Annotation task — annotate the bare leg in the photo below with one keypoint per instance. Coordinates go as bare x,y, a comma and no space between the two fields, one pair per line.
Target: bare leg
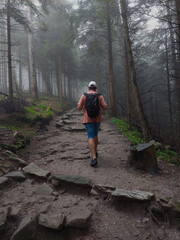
96,143
92,146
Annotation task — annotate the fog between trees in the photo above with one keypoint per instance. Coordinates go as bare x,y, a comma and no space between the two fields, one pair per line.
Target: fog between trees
54,48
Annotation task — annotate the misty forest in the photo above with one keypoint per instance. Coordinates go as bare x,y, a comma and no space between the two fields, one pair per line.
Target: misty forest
49,52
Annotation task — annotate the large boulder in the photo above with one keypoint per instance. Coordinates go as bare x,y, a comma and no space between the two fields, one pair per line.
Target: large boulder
27,229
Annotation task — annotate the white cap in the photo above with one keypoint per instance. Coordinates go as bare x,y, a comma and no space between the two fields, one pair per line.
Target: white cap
92,84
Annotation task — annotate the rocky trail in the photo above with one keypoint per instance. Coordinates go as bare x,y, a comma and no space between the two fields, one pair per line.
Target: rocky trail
55,194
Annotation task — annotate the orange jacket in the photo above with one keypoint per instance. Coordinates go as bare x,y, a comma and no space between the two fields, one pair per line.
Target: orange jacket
81,105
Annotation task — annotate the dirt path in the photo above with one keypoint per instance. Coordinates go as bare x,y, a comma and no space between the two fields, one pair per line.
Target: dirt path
66,152
69,153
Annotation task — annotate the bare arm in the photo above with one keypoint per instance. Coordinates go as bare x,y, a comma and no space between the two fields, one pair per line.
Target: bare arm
80,105
103,103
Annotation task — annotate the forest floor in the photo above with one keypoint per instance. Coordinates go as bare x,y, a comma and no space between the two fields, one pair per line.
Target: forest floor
65,150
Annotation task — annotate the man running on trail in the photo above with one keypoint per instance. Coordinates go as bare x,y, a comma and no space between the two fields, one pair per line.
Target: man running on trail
92,102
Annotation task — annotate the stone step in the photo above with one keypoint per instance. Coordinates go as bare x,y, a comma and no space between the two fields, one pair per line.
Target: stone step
58,179
132,195
33,169
16,175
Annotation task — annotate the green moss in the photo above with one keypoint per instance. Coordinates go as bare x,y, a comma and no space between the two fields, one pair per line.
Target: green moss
169,156
135,137
11,127
35,112
132,134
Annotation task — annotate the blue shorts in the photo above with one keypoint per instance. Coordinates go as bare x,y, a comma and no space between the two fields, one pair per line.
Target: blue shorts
92,129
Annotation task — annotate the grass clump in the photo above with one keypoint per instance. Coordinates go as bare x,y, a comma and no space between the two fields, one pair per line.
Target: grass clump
169,156
135,137
132,134
39,111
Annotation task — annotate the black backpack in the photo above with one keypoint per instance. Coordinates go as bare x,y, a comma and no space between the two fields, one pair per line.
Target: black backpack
92,104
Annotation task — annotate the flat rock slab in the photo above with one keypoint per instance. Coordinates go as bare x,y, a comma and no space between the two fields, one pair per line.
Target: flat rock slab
104,188
59,124
132,195
67,122
16,175
79,219
55,222
33,169
76,114
3,181
65,118
44,190
3,218
20,162
26,230
6,167
74,129
58,179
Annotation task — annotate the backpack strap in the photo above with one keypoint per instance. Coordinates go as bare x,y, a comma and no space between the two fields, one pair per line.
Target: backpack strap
85,94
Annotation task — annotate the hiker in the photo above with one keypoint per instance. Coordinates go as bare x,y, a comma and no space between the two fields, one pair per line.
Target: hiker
92,102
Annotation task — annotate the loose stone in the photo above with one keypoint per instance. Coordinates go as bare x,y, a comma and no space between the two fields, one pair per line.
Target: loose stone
51,221
80,219
44,190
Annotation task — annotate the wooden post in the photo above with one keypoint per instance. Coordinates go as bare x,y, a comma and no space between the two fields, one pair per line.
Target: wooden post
143,157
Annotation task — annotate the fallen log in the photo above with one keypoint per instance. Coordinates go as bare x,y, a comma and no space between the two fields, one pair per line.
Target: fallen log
143,156
4,94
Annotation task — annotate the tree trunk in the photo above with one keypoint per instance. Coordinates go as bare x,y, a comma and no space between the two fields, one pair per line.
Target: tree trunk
110,62
174,56
20,72
69,84
143,157
142,118
178,17
178,64
128,101
33,80
59,78
45,81
9,51
98,72
169,89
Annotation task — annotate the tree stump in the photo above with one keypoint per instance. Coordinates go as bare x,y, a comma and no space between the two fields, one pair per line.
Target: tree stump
143,157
